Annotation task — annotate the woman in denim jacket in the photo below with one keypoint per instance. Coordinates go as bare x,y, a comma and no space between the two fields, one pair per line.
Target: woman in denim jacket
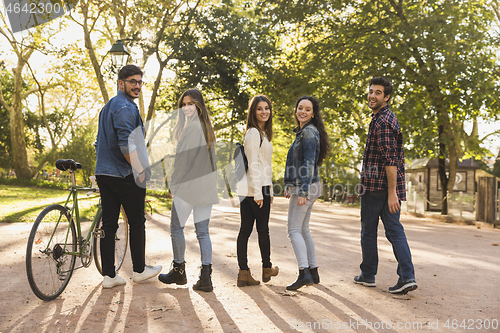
302,185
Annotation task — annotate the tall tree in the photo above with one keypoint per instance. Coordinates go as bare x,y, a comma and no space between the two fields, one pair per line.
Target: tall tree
6,81
23,50
440,56
152,28
36,93
227,54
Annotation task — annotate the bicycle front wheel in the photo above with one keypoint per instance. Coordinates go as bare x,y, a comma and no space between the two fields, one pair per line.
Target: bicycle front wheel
121,242
48,264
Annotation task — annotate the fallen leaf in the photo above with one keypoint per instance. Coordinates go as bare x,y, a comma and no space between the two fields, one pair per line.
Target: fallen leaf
161,308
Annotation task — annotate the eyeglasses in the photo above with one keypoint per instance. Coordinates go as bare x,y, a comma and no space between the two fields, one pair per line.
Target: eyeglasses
135,82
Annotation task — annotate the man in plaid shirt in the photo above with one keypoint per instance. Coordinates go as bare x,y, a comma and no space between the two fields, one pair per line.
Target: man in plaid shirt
382,189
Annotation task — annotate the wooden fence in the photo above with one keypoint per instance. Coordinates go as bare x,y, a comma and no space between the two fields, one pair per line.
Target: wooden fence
486,204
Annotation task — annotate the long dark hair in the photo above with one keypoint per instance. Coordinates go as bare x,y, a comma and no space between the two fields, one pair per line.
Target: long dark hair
203,116
252,116
324,144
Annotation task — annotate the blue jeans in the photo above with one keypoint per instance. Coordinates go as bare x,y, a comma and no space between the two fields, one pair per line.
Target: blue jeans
299,232
201,215
374,205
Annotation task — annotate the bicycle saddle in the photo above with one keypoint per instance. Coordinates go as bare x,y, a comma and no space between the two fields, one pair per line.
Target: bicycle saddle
67,165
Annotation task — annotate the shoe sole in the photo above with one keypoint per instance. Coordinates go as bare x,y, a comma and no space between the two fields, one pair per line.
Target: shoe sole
244,284
297,288
405,289
112,286
173,282
145,279
366,284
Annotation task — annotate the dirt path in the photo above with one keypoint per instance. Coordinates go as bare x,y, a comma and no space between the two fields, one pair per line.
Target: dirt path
457,270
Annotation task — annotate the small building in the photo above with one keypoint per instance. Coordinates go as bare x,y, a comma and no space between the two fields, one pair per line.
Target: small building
422,175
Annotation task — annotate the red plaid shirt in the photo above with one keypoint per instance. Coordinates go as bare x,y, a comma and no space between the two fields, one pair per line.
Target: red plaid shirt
384,146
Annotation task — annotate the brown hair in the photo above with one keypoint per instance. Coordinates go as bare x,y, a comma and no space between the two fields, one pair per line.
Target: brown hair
317,121
203,116
252,116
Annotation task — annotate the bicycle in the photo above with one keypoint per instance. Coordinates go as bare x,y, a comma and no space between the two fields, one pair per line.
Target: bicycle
56,241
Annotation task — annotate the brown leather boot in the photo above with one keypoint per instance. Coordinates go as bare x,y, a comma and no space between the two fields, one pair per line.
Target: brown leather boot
246,279
268,272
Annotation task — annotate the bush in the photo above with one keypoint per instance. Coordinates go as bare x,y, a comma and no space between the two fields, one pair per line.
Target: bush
33,182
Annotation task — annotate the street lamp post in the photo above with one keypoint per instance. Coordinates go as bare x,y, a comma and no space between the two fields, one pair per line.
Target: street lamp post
119,56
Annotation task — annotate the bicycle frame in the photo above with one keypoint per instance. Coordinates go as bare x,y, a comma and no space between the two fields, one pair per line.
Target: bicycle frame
75,214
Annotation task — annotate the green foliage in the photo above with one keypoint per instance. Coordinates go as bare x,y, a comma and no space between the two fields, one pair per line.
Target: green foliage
33,182
440,56
224,55
5,144
81,149
496,166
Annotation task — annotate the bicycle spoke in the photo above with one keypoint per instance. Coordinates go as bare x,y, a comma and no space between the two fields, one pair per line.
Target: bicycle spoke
48,264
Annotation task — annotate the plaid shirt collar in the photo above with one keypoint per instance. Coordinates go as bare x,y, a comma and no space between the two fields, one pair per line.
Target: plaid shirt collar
380,112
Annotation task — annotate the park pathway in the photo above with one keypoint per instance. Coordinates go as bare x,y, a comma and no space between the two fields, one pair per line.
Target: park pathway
457,270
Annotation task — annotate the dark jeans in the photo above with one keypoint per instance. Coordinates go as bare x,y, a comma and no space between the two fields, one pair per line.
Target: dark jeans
374,205
250,213
116,192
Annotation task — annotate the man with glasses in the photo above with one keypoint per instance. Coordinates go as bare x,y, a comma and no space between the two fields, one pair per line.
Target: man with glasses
122,169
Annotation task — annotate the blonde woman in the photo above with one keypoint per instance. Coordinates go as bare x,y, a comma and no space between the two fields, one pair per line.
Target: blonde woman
256,190
193,187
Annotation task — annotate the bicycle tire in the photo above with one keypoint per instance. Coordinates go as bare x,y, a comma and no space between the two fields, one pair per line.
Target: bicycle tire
48,267
121,242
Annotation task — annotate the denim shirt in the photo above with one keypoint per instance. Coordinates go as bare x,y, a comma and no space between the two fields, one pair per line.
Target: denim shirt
120,132
302,159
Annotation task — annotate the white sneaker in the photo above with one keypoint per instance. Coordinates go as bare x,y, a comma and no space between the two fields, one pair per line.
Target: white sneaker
113,282
148,273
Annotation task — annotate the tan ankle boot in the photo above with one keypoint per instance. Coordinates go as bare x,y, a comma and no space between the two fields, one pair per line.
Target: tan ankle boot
246,279
268,272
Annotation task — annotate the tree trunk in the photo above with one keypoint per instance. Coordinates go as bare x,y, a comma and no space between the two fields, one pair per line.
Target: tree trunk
93,58
19,150
442,172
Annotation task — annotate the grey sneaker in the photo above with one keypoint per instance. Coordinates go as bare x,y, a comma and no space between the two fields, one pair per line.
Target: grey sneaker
113,282
403,287
148,273
360,279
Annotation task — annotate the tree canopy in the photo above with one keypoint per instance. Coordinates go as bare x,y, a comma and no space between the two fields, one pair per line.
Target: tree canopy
441,56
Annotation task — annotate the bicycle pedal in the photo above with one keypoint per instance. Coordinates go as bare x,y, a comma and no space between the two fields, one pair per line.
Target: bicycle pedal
99,233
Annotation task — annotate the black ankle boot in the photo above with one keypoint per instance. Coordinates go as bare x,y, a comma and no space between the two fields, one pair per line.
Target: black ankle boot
205,281
314,274
176,275
304,279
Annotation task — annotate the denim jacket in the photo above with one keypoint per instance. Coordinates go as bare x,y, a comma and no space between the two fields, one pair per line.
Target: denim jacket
302,159
120,132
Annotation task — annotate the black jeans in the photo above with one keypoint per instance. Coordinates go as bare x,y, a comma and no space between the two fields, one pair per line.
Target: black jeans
116,192
250,213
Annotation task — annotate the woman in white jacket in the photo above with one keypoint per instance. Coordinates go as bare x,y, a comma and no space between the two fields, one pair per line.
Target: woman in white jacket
256,189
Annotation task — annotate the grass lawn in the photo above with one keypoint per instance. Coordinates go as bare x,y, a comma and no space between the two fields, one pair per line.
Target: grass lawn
23,204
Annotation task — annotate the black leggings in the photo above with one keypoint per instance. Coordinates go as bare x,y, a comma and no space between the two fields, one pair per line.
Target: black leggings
250,212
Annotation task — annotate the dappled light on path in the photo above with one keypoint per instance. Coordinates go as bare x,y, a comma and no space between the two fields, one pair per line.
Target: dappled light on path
447,258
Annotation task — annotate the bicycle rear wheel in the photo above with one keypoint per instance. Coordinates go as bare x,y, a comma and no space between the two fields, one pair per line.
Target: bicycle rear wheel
48,264
121,242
